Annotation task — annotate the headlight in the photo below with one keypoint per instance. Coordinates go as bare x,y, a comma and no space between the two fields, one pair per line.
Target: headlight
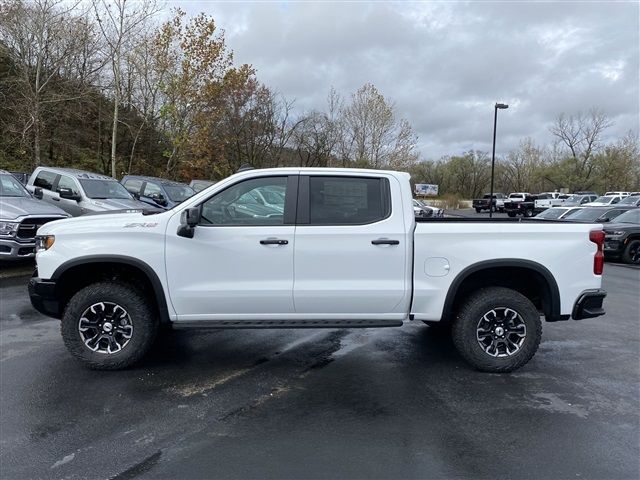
8,229
617,232
44,242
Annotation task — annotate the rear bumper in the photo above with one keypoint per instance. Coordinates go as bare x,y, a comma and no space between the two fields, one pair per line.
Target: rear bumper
589,305
42,294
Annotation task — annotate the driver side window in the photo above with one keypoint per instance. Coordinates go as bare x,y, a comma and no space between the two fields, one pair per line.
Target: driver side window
246,203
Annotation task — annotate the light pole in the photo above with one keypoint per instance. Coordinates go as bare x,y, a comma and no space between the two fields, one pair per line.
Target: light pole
500,106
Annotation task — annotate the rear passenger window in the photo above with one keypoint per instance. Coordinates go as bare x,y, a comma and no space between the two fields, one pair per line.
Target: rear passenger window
67,182
348,200
133,186
44,180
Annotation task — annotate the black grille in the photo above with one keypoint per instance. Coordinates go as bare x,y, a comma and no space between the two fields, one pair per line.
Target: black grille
29,227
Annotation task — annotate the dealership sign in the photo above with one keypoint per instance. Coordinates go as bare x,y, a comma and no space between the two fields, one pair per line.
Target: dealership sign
426,189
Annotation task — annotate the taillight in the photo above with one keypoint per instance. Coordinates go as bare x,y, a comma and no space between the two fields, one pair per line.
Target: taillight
597,237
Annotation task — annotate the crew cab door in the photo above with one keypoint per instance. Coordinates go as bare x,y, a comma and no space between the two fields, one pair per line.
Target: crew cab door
239,263
351,248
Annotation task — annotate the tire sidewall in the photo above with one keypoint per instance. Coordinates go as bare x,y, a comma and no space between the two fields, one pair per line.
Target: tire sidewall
465,326
142,319
626,255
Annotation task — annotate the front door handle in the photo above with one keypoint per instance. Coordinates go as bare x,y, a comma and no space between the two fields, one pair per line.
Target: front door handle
385,241
273,241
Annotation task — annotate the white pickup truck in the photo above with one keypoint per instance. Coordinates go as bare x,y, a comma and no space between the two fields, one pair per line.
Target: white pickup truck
343,250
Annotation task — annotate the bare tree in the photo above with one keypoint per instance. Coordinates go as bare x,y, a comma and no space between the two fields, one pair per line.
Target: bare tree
372,134
122,23
50,43
581,135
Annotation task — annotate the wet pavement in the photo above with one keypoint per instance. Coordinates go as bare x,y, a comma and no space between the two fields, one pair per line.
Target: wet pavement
387,403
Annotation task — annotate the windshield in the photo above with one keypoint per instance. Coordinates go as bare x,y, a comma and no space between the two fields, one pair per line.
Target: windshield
631,216
630,200
604,199
574,199
103,189
586,214
179,193
10,187
552,213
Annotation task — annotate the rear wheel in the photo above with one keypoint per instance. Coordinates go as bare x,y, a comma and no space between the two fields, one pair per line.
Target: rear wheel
528,212
511,214
108,325
631,253
478,210
497,330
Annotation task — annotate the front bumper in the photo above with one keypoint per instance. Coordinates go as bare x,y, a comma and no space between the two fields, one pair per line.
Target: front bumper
589,305
11,249
613,246
42,294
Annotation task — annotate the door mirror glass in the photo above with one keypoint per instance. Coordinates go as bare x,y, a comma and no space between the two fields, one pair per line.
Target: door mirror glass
37,192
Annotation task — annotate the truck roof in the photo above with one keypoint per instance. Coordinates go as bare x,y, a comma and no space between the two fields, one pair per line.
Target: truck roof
79,174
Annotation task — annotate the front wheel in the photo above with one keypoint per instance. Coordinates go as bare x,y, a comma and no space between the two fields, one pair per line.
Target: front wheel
497,330
108,325
631,253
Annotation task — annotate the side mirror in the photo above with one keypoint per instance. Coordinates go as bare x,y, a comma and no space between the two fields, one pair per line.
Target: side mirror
189,220
160,200
604,219
37,192
68,194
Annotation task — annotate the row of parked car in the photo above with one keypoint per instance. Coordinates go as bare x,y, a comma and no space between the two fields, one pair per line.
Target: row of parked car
528,205
619,210
29,201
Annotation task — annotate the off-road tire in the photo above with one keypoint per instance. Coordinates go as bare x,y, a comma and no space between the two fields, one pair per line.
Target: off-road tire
466,322
627,255
143,319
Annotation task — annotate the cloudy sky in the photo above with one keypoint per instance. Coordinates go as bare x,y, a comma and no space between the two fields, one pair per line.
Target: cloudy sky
445,64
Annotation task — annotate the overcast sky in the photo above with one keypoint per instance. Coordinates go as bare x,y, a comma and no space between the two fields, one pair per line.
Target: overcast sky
445,64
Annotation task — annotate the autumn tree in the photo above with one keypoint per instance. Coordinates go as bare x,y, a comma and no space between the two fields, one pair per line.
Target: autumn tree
194,59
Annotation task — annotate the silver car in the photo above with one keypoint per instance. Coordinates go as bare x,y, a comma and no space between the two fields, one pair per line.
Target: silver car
20,217
78,192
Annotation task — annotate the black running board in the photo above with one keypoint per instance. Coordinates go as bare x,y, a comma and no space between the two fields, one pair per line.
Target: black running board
287,324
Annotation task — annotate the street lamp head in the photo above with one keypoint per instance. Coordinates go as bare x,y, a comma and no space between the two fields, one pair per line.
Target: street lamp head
502,105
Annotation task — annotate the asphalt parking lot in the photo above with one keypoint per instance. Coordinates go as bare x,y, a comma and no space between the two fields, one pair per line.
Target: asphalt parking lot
387,403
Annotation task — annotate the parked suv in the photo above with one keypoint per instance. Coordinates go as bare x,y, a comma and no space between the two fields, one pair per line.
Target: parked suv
20,217
157,191
622,237
199,185
578,199
78,192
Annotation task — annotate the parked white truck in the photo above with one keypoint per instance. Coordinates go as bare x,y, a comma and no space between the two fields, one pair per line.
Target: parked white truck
344,250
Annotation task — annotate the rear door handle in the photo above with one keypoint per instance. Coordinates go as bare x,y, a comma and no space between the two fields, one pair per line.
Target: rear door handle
385,241
273,241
